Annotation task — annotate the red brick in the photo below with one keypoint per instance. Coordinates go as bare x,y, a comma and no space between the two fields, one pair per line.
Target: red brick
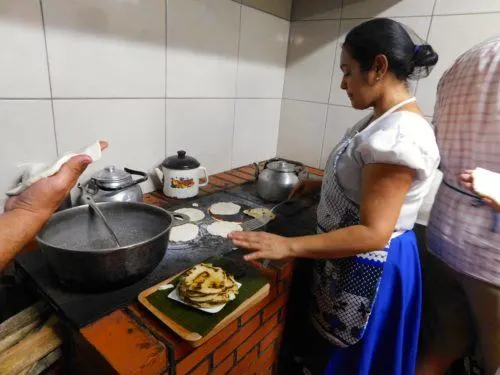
257,337
230,178
224,367
214,180
205,349
244,176
202,369
274,335
210,189
273,308
243,366
231,344
127,347
270,273
267,358
315,171
169,338
248,169
249,314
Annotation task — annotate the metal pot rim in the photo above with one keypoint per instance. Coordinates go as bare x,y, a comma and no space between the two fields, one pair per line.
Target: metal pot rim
109,250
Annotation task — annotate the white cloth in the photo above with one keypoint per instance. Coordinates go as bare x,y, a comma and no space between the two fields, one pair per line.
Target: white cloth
36,171
401,138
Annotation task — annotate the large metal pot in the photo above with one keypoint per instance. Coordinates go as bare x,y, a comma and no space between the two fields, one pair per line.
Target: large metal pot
82,255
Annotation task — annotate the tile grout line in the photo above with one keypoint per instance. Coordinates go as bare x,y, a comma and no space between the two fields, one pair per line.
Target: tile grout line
331,85
135,98
166,70
401,16
426,41
284,82
50,79
236,88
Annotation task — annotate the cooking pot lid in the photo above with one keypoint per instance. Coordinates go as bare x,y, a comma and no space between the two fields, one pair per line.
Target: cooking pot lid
281,166
111,174
181,161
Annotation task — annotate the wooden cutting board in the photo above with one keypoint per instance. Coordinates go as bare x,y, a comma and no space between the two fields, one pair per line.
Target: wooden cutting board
197,326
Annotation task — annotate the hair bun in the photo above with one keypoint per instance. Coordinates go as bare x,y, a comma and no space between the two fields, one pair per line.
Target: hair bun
424,59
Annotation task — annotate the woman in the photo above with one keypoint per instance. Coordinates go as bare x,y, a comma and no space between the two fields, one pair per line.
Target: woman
375,181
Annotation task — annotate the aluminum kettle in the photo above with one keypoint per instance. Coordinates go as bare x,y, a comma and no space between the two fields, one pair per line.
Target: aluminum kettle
114,185
277,179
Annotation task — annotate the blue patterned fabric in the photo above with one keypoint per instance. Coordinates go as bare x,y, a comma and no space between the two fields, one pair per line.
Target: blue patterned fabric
344,289
390,341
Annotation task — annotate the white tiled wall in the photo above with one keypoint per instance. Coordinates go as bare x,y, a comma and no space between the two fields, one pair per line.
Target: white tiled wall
313,77
149,76
312,83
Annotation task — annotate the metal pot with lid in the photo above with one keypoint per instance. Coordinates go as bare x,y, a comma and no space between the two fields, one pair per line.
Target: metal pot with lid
180,175
277,179
112,184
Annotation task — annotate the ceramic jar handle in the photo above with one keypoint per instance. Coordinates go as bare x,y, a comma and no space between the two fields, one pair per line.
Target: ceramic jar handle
206,176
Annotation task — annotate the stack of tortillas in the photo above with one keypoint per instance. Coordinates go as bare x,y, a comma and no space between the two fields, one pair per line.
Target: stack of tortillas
207,286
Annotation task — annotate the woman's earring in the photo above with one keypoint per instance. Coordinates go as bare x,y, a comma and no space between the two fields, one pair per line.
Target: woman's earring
377,78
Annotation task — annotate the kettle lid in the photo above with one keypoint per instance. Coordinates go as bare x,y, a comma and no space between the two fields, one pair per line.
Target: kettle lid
282,166
112,175
181,161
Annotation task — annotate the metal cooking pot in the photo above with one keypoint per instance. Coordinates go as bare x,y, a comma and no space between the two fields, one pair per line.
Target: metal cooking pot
82,255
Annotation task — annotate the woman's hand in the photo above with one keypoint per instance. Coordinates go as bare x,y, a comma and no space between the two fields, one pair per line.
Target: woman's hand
467,179
305,187
264,245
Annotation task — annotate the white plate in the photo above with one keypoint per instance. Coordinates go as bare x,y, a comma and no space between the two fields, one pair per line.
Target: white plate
212,310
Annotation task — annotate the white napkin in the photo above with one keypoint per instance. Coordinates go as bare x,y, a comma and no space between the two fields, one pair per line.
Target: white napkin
486,183
36,171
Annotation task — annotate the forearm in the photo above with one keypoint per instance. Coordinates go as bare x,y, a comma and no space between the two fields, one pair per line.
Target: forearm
17,228
340,243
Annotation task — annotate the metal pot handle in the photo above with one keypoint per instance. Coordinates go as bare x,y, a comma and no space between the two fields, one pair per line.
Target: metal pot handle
132,183
179,219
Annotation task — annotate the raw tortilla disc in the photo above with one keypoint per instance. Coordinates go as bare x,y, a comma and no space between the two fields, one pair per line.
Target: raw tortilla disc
184,233
225,208
223,228
193,213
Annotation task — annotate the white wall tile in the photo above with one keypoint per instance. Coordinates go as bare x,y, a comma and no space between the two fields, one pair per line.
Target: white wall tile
256,130
134,128
27,133
310,60
202,48
23,62
420,25
386,8
450,39
106,48
339,120
316,9
204,129
262,55
466,6
302,125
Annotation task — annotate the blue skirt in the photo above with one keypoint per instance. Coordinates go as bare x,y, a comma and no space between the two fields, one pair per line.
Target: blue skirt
390,343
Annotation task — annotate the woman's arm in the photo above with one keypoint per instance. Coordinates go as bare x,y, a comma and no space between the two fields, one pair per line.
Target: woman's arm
384,188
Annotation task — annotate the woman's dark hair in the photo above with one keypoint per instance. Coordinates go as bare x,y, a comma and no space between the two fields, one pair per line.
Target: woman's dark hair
382,36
